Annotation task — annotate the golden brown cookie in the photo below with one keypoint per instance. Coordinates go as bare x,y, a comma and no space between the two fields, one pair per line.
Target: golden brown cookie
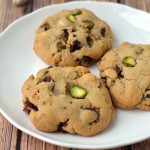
126,71
68,99
72,38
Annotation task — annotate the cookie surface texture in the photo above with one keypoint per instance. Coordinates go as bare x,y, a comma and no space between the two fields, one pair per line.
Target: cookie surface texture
126,71
67,99
72,38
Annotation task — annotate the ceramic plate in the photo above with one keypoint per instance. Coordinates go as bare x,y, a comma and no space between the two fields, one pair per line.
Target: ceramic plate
18,61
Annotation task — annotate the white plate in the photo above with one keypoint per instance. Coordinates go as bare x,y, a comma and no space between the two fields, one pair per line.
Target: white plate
18,61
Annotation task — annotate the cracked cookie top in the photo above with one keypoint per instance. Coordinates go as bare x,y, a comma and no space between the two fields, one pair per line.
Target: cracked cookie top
126,71
72,38
67,99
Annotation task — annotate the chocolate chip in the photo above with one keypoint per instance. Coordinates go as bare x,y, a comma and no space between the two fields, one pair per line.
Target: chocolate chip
85,60
76,45
30,105
47,79
95,110
104,79
119,71
147,96
89,41
103,31
61,125
45,26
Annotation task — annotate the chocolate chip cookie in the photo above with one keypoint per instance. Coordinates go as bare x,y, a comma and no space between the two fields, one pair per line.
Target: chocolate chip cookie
72,38
67,99
126,71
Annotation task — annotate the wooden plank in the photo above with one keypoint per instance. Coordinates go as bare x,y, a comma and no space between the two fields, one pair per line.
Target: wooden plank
140,4
15,140
147,3
24,141
10,12
57,1
5,133
115,1
34,143
40,3
139,146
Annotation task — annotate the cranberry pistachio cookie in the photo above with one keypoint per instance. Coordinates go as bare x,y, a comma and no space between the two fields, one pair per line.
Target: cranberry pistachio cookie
67,99
126,71
72,38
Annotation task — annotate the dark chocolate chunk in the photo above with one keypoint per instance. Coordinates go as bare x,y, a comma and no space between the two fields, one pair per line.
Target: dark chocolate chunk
49,67
45,26
73,30
147,96
89,41
63,46
85,60
103,31
76,45
26,110
30,105
64,35
119,71
104,79
61,125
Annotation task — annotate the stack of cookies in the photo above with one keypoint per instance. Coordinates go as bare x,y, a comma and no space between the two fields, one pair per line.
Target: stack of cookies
66,96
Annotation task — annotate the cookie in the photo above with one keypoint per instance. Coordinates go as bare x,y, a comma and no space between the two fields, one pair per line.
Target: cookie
72,38
67,99
126,71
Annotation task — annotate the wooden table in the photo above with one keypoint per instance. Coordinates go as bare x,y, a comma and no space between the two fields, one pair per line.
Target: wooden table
10,137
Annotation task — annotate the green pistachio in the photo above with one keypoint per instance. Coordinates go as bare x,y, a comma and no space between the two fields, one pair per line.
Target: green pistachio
77,92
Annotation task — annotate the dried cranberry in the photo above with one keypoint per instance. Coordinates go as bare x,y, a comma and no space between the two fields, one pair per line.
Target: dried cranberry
84,60
47,79
29,104
103,31
45,26
76,45
119,71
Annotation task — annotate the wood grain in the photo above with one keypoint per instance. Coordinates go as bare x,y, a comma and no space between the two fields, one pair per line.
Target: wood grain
10,137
